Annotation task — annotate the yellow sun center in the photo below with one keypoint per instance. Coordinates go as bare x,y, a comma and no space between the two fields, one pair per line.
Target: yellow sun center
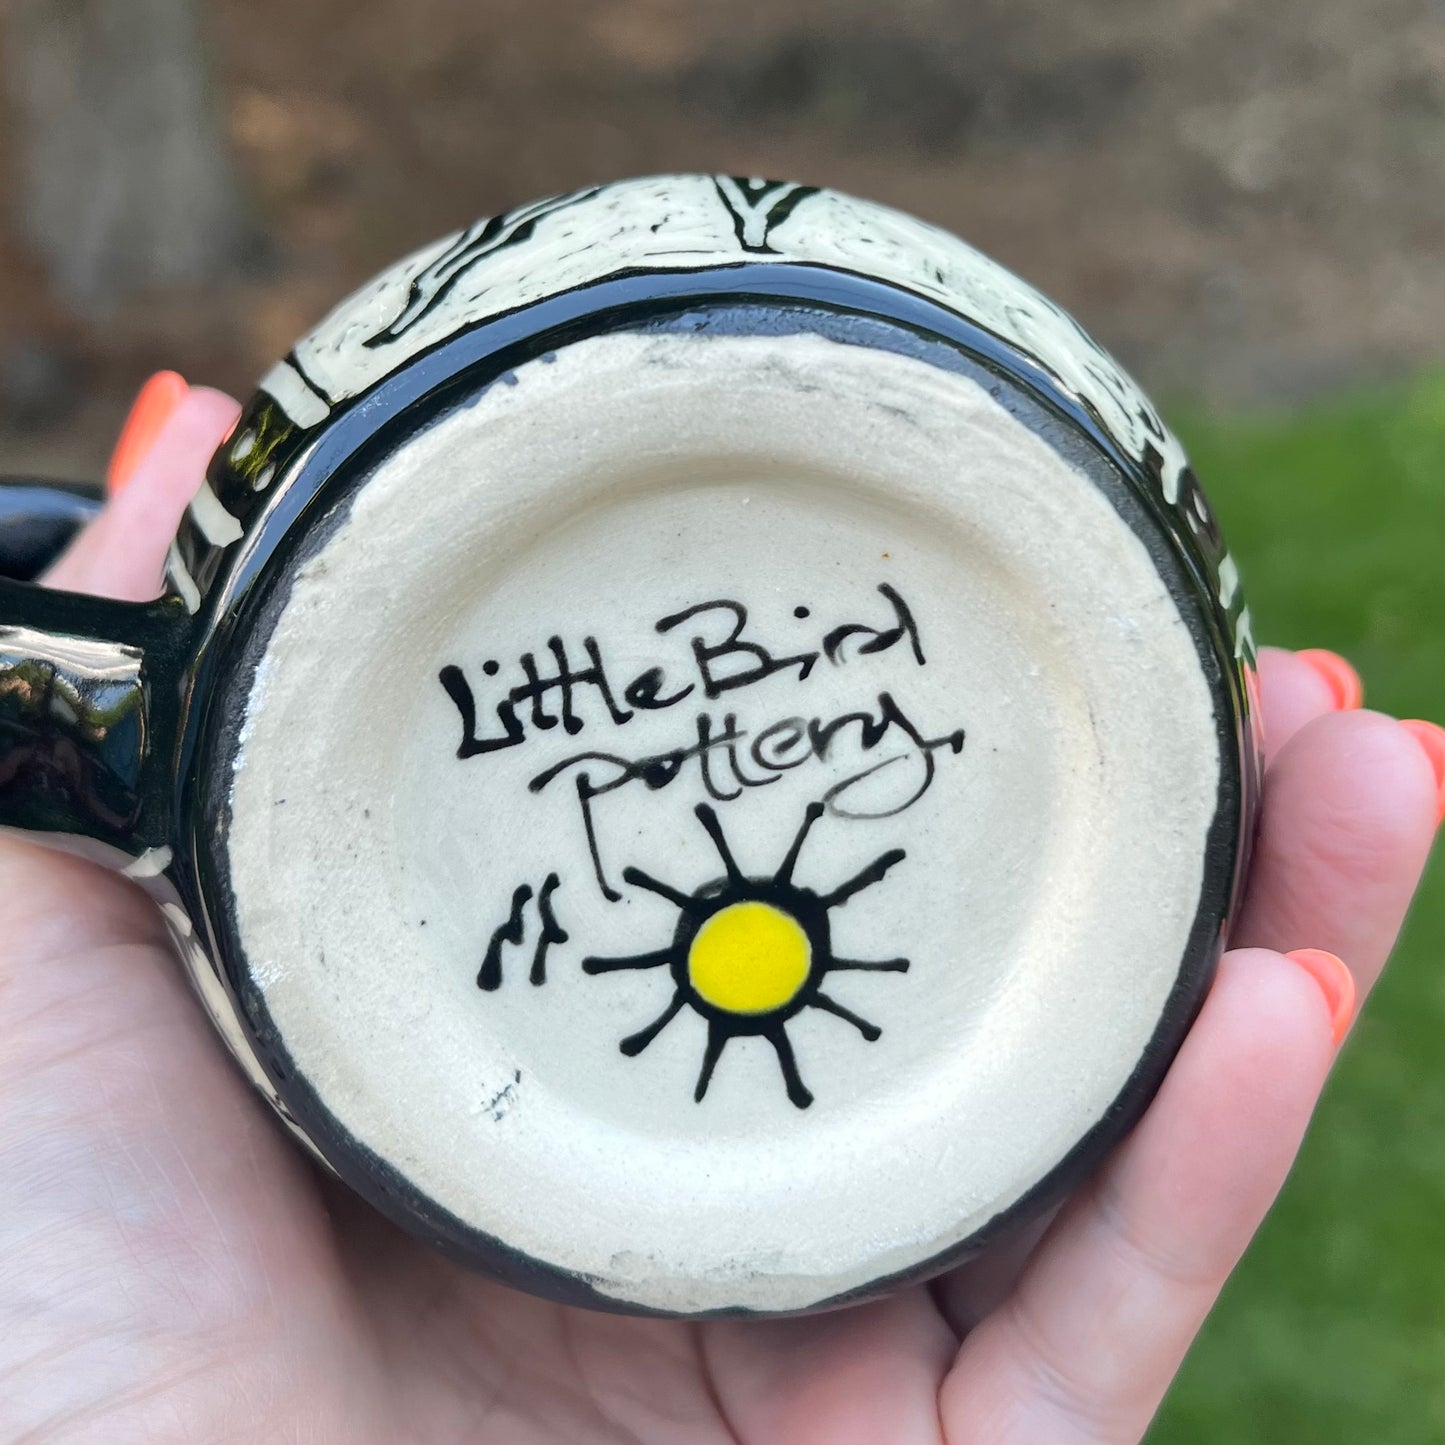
749,958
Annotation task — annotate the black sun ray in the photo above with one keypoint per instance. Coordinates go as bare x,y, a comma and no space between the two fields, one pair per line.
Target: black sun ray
832,1006
708,819
634,960
717,1039
639,879
870,875
785,871
798,1092
634,1044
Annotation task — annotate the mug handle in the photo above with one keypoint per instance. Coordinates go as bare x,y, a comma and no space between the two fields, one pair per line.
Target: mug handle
90,689
38,519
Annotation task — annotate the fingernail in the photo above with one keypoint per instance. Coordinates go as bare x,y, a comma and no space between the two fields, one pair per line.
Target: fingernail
1431,737
1341,679
1336,982
150,411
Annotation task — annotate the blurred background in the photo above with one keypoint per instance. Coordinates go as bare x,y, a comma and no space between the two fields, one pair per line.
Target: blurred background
1245,203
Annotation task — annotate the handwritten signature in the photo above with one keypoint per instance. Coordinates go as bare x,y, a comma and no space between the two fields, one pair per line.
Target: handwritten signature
728,758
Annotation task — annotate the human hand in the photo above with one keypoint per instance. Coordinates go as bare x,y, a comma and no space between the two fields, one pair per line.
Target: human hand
172,1268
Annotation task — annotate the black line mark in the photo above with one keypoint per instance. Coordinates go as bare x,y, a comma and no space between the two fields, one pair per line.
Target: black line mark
490,977
639,879
870,875
656,959
871,1032
811,814
312,386
635,1043
881,638
758,207
708,819
551,931
431,286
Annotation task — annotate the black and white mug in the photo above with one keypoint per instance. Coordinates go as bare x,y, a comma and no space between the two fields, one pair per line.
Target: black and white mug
698,747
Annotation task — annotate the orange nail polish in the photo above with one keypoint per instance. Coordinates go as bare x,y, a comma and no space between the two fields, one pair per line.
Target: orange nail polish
1336,982
150,411
1431,737
1341,679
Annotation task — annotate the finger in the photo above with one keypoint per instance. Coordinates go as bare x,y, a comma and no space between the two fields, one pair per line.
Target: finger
1089,1341
847,1377
1431,737
154,1225
1349,816
972,1291
149,412
1298,687
39,919
122,552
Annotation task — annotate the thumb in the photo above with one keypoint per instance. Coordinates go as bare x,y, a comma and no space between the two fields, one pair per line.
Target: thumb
122,552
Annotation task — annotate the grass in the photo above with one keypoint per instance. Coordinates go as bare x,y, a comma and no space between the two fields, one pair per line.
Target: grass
1333,1330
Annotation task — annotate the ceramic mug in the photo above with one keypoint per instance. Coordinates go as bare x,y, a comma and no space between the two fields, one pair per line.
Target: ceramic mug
697,747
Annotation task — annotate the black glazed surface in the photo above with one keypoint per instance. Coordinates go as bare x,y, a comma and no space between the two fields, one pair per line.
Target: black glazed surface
37,520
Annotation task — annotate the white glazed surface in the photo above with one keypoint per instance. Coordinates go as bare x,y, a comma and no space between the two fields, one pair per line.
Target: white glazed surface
682,223
1053,866
688,222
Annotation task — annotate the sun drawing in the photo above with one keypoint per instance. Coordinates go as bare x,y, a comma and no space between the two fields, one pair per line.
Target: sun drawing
750,953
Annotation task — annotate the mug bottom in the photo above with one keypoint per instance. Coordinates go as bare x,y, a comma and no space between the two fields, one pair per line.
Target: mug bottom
722,818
